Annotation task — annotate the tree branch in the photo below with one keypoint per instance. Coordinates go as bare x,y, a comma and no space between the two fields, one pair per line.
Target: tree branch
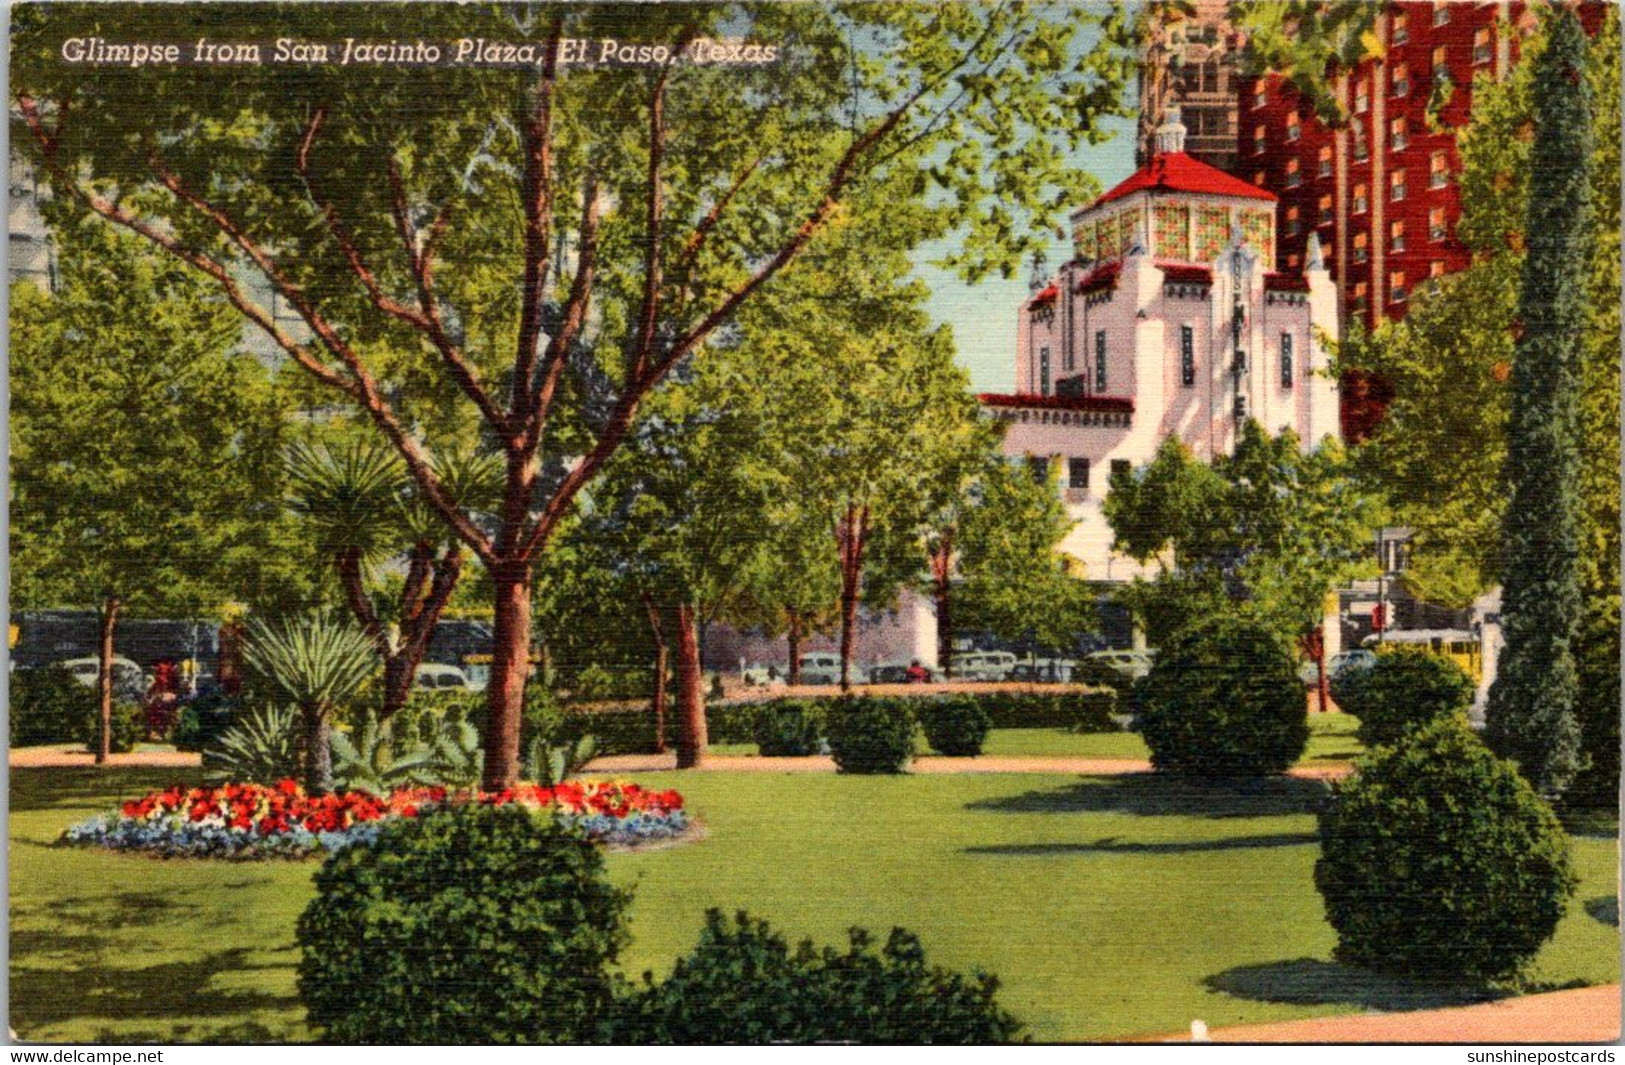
537,193
575,316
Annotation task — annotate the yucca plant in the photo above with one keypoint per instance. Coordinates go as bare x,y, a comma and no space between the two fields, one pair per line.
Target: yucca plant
317,661
262,748
550,763
370,760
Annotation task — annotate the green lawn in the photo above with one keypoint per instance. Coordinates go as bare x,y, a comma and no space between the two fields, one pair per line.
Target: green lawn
1331,740
1108,906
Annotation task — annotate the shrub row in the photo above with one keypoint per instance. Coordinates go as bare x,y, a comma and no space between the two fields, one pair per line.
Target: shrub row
49,706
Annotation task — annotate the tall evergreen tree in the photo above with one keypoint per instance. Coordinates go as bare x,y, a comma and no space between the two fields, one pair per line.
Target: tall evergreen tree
1532,705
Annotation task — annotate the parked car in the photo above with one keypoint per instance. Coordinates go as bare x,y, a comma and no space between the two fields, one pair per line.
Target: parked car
1131,665
1043,671
824,667
897,673
435,677
982,665
1342,660
129,681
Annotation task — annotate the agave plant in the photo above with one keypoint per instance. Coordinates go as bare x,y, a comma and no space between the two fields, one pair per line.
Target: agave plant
260,749
456,758
367,760
550,764
316,660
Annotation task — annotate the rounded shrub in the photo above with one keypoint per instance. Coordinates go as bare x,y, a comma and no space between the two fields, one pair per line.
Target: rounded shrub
1439,860
127,723
474,924
956,726
871,735
788,728
743,983
1223,700
48,706
1406,688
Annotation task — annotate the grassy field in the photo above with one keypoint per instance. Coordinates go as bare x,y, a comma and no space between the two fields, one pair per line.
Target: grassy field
1109,907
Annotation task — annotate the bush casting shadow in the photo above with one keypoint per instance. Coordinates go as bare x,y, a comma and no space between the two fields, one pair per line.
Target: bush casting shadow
78,786
1311,982
1111,845
1159,794
172,989
1604,908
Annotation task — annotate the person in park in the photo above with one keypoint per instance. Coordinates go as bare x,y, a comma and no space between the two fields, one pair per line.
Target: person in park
917,674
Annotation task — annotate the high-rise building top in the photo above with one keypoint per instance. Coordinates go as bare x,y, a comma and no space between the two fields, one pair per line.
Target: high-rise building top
1188,61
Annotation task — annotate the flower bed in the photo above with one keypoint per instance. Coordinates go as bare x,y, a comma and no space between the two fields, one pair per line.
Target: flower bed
253,821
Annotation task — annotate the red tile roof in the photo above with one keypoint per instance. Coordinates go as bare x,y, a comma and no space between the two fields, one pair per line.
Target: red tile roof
1102,276
1178,172
1045,296
1111,404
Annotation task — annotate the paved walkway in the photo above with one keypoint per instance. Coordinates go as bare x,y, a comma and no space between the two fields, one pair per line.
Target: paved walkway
727,763
1585,1015
65,755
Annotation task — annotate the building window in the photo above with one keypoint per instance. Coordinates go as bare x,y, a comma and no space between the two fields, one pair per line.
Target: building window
1396,287
1043,371
1293,129
1361,150
1187,356
1436,224
1481,46
1360,247
1100,362
1441,64
1292,261
1436,269
1362,98
1362,202
1402,80
1400,34
1396,236
1293,177
1398,134
1292,226
1441,12
1359,297
1438,170
1325,169
1077,474
1258,139
1396,185
1038,467
1286,360
1325,209
1259,178
1260,95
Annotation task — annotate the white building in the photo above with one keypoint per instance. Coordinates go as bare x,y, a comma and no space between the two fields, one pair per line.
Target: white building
1170,320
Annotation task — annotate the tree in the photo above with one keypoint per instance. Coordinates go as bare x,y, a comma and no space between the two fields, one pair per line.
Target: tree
420,213
1309,42
142,450
363,509
1001,541
1531,707
1266,532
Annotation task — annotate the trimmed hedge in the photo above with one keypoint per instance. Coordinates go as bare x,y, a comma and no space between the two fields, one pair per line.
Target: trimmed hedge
127,724
1439,860
1407,687
789,728
871,734
744,984
472,924
956,726
1223,700
49,706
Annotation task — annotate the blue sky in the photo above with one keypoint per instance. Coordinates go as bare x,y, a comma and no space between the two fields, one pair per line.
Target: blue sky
983,316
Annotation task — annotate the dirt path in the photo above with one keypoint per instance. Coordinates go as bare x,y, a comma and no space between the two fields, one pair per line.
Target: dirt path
1585,1015
718,763
64,755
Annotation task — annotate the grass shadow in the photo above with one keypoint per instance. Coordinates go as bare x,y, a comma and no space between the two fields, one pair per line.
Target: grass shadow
157,992
1312,982
75,786
1157,794
1111,845
1604,908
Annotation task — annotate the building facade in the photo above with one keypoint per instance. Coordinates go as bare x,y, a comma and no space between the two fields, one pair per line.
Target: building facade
1171,320
1188,61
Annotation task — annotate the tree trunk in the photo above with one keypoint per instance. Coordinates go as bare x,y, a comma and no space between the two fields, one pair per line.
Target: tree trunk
104,677
659,701
851,536
691,733
941,568
1325,681
318,749
794,637
420,614
510,665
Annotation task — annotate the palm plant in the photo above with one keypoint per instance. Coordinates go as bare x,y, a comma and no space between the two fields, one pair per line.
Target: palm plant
317,661
262,748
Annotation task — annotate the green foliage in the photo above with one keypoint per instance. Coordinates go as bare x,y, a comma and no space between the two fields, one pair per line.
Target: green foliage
744,980
1438,860
397,948
315,660
454,756
955,726
128,723
1407,687
1309,43
1223,700
550,763
1531,707
869,734
48,706
203,720
261,748
376,759
789,728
